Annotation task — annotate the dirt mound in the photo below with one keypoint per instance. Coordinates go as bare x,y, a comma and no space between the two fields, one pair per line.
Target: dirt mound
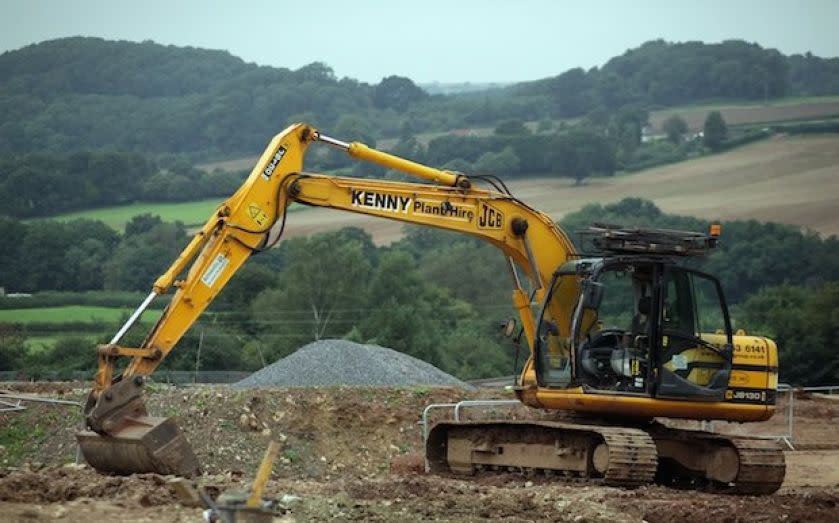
341,362
355,454
67,483
812,506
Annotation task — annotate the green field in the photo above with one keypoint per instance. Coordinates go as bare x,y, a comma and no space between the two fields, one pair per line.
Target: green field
190,213
79,313
35,344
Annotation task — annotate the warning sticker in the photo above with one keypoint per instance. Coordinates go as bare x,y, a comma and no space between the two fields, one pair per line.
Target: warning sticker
257,214
214,270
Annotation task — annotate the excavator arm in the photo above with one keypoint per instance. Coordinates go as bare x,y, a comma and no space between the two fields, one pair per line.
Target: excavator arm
123,438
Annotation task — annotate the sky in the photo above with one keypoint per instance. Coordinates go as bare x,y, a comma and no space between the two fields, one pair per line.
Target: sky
430,40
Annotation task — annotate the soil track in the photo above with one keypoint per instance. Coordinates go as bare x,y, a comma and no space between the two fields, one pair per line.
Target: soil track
789,179
349,454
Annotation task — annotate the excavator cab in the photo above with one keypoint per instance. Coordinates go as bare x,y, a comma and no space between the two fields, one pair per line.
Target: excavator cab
643,325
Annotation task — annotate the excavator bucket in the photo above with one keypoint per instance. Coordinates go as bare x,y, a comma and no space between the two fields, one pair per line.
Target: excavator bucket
124,439
144,444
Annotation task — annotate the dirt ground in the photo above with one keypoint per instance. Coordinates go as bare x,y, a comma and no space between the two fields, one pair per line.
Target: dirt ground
353,455
786,179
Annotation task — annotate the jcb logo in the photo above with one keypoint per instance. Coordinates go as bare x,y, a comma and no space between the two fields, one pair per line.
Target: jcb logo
490,217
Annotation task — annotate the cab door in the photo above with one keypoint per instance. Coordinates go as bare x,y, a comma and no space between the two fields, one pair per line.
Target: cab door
693,339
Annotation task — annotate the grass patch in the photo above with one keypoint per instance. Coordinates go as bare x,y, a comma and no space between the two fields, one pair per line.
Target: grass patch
70,313
291,454
190,213
15,437
40,343
36,344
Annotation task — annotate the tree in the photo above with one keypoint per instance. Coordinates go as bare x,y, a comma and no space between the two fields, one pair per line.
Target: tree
13,266
69,354
675,128
220,350
397,92
467,268
12,346
44,249
246,284
141,258
715,131
803,323
84,262
474,352
321,290
350,128
407,313
503,163
628,125
141,223
581,153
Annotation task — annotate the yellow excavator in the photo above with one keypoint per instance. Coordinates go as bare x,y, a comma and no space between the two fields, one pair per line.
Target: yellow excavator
618,336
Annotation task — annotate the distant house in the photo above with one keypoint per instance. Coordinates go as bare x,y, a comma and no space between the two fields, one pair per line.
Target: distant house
647,134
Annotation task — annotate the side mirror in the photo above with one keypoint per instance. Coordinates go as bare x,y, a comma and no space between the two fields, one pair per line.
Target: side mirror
509,327
592,294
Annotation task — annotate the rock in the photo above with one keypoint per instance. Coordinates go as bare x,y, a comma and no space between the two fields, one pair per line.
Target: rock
287,499
186,493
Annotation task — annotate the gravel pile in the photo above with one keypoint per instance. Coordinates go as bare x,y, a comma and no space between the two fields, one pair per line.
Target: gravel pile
341,362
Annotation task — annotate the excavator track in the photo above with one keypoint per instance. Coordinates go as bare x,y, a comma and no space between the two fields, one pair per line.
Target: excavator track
610,455
618,456
762,467
736,465
633,459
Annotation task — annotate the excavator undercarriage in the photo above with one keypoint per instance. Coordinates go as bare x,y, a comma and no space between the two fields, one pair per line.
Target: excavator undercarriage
623,456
